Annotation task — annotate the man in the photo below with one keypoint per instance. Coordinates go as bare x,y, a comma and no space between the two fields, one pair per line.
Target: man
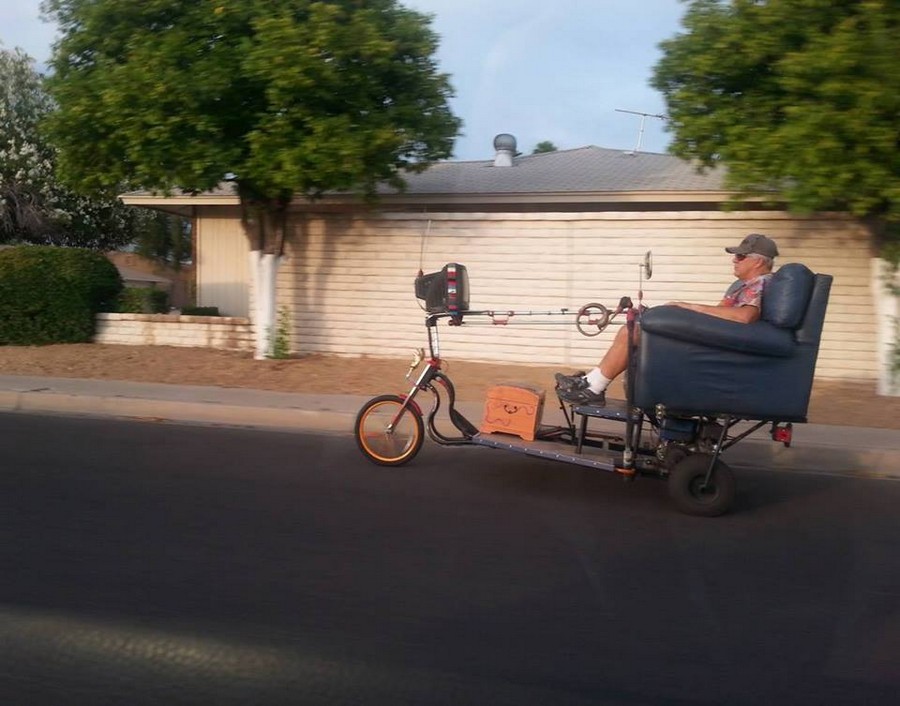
753,260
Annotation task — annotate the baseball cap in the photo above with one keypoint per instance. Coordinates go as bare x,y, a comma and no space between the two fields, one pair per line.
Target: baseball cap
755,243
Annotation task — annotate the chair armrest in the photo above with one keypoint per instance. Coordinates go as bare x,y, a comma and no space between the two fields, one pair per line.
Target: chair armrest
759,338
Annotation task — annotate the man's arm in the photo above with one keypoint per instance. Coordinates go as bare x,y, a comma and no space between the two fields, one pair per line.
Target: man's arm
742,314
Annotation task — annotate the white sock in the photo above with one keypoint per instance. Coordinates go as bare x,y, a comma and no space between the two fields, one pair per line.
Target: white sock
597,381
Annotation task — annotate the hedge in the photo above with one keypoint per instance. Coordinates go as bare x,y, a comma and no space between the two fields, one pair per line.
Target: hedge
200,310
52,295
143,300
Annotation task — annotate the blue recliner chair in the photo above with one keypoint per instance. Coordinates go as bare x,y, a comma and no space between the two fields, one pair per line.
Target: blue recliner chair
694,364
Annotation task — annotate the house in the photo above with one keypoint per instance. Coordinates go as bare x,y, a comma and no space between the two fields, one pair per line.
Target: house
541,232
138,271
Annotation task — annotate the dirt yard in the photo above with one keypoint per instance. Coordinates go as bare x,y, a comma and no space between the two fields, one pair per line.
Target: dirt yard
832,403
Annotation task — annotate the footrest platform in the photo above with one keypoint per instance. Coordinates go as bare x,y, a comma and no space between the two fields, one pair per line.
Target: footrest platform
614,409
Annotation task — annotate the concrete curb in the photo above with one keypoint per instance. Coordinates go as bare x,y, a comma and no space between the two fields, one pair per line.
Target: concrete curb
176,411
853,451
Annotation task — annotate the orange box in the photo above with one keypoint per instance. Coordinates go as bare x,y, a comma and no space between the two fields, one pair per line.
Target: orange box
513,409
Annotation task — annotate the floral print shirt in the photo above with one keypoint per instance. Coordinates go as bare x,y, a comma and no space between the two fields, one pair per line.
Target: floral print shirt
747,293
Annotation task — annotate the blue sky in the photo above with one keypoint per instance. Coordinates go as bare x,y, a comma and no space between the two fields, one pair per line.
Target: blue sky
540,69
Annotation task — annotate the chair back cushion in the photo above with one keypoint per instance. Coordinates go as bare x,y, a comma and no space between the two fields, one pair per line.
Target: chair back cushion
786,295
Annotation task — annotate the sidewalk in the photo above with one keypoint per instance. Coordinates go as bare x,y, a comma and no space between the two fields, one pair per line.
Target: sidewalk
816,448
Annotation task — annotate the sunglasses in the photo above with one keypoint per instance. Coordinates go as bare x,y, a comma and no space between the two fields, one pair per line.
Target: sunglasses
740,258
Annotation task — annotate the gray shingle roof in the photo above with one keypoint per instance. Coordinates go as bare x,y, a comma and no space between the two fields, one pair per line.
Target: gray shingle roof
586,169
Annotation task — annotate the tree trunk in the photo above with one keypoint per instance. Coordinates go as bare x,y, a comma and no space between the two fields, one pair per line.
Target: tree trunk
264,273
264,222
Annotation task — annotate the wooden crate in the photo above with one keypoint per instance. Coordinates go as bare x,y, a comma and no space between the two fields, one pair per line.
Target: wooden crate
513,409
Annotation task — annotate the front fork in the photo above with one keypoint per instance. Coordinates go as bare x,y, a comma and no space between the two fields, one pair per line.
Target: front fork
430,374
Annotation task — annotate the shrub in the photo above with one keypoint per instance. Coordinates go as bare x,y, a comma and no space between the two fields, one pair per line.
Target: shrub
281,347
52,295
143,300
200,310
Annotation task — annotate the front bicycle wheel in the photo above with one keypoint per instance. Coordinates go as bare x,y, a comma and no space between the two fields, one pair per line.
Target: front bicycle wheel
386,433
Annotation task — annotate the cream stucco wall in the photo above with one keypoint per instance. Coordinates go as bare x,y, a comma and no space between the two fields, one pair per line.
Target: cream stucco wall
348,280
223,273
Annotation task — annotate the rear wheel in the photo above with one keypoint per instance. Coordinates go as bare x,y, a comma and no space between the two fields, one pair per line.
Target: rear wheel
385,435
693,495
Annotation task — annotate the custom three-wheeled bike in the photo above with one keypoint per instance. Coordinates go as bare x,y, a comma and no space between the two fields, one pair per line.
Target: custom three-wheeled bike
696,385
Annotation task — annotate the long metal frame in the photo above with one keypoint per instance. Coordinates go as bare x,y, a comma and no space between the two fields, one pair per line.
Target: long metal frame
432,379
624,454
629,454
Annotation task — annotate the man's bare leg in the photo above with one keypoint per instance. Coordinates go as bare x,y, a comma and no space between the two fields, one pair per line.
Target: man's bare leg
615,360
591,388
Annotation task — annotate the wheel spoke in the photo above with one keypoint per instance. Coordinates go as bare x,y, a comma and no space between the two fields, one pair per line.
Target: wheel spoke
389,431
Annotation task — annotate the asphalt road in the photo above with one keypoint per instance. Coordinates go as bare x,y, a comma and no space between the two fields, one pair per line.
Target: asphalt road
143,563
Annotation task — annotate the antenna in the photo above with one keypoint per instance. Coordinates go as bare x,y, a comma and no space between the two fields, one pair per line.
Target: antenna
644,116
422,247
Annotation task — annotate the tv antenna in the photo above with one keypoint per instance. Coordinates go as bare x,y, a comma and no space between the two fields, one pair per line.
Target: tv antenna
644,117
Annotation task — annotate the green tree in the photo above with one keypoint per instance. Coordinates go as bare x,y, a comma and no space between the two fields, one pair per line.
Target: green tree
800,99
34,206
289,98
544,146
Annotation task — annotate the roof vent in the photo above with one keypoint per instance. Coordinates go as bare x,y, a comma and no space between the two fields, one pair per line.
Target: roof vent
505,144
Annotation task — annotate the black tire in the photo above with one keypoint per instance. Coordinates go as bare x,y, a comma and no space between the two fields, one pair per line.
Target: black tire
687,491
382,444
674,456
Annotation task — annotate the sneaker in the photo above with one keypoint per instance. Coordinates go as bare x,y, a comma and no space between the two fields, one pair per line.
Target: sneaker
584,396
576,381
